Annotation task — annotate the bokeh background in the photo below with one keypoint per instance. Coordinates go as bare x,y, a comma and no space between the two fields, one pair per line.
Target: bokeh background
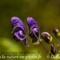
45,12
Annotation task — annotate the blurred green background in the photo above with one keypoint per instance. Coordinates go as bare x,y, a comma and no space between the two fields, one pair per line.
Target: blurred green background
45,12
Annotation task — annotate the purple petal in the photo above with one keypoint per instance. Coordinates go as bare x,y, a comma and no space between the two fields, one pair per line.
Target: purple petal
17,22
31,21
19,35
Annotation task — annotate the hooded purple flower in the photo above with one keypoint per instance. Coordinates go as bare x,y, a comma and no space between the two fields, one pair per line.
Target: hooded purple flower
17,22
33,28
18,29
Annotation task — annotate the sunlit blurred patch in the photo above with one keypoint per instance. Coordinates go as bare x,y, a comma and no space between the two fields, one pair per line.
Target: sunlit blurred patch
51,38
56,57
33,54
58,34
36,43
10,45
41,39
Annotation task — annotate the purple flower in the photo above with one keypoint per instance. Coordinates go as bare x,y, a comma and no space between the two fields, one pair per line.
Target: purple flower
33,28
18,29
46,36
53,49
17,22
56,32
